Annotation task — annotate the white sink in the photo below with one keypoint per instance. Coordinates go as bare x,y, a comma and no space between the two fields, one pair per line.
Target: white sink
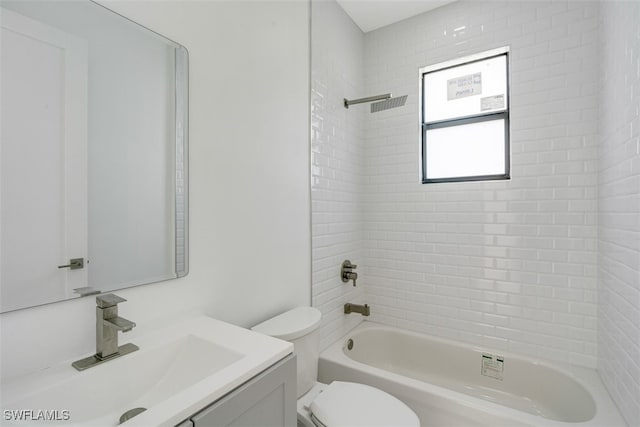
177,371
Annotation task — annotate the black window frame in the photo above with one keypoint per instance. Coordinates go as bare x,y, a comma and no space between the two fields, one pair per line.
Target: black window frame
474,118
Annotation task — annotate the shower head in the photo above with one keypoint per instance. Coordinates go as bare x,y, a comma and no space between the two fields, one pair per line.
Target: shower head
388,103
348,102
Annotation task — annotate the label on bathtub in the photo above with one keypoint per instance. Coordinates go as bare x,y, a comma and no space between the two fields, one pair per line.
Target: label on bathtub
492,366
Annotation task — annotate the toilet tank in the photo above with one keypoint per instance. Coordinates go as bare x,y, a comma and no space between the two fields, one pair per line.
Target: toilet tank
300,327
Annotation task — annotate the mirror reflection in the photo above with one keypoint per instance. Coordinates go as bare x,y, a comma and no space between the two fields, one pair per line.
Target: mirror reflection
93,154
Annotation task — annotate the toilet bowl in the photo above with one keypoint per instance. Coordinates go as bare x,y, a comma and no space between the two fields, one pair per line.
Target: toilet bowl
339,403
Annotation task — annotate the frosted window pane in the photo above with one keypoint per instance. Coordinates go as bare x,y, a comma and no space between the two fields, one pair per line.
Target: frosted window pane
466,90
466,150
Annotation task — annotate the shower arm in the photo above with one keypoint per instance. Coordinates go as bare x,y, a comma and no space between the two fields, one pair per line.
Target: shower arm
348,102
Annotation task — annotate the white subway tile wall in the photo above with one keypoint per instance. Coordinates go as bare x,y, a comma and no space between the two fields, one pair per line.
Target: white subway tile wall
510,265
619,207
337,165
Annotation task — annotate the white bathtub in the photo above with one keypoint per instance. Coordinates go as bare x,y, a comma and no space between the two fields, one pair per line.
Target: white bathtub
442,382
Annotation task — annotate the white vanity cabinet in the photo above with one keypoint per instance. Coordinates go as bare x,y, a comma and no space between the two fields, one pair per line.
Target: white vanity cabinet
268,399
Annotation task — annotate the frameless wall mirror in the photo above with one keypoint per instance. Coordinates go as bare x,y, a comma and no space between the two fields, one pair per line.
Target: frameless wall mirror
93,153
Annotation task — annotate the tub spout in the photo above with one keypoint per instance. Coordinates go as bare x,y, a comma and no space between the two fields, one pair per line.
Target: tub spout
356,308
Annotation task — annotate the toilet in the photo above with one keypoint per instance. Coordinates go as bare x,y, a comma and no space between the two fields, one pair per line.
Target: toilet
339,403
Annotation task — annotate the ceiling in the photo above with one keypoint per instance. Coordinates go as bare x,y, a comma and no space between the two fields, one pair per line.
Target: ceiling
372,14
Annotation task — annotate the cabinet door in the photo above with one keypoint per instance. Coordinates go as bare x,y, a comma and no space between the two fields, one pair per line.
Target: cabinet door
266,400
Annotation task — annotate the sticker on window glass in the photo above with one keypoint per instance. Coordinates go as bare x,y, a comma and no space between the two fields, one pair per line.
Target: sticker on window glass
492,102
464,86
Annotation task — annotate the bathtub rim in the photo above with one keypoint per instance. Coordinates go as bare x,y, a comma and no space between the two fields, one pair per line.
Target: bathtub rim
606,412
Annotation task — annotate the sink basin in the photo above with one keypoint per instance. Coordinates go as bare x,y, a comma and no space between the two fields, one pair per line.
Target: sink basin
141,379
176,372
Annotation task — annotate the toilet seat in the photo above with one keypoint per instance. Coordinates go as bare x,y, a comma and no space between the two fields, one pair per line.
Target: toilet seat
352,404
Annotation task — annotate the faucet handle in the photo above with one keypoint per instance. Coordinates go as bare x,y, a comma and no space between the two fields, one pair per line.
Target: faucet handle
347,264
108,300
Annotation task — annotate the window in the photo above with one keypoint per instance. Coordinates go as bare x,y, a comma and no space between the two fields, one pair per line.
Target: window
465,119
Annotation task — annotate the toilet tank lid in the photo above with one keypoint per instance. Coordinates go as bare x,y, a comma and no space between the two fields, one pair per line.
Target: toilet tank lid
291,324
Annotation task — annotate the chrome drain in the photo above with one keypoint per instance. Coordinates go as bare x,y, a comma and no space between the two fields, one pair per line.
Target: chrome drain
131,413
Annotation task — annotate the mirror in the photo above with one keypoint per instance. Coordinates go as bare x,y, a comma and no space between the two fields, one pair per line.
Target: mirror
93,153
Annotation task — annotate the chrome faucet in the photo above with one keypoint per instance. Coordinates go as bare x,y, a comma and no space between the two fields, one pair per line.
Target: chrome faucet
347,273
357,308
108,323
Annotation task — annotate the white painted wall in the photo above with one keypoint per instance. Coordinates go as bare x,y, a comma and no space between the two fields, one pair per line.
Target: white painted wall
508,264
619,207
337,157
249,183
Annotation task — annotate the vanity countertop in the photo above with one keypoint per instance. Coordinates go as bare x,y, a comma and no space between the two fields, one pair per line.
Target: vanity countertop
179,370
